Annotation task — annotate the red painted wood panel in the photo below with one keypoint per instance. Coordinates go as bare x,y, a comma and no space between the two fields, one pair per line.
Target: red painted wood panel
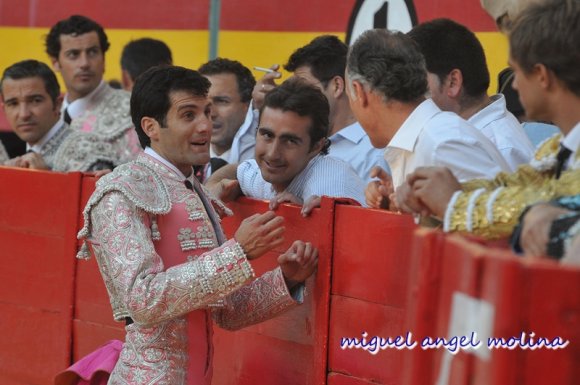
371,255
351,317
248,358
422,301
504,287
38,219
87,336
553,309
341,379
93,318
461,272
91,298
441,268
294,344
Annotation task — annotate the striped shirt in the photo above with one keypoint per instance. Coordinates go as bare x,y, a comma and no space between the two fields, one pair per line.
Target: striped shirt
324,175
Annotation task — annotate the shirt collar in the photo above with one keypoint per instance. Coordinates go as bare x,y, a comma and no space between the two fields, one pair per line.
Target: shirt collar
407,135
79,106
152,153
250,121
296,187
353,133
572,140
49,135
225,155
492,112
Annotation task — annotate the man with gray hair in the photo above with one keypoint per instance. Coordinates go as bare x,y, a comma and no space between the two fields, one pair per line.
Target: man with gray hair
387,82
545,57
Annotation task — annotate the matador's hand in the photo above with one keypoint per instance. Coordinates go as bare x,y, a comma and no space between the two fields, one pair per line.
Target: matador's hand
260,233
298,262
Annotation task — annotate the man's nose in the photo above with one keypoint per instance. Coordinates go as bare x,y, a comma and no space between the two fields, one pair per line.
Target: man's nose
273,151
84,60
213,114
205,124
24,111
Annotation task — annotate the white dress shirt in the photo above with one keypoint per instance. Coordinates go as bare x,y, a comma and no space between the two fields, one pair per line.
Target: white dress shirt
572,142
431,137
245,139
79,106
505,131
352,145
243,144
324,175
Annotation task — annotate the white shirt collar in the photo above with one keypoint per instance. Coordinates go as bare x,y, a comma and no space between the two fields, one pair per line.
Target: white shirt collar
407,135
495,110
572,140
250,120
79,106
225,155
38,146
152,153
353,133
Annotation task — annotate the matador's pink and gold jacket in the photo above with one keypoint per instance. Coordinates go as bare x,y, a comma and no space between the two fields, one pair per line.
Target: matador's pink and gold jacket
162,255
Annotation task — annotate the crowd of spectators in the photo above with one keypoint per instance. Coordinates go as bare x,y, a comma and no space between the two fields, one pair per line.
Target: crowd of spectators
406,116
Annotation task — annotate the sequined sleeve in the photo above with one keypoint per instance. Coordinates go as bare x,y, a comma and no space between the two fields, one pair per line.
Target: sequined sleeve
138,284
263,299
525,174
493,211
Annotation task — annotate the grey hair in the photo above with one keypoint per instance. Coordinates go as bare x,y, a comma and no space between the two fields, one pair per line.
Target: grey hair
388,63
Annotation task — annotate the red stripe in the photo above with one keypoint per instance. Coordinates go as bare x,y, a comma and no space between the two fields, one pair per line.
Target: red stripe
466,12
130,14
291,15
244,15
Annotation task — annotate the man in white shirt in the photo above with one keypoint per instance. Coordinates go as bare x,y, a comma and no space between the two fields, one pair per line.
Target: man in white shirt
76,47
31,101
458,82
322,63
387,81
234,120
290,164
544,55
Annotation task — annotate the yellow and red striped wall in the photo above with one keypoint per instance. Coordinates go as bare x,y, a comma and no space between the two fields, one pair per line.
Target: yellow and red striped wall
254,32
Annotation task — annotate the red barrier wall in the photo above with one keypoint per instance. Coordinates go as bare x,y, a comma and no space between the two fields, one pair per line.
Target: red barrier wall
93,323
369,277
463,287
376,274
38,221
292,348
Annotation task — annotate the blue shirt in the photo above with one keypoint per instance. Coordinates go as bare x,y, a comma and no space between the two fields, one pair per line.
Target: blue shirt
323,175
352,145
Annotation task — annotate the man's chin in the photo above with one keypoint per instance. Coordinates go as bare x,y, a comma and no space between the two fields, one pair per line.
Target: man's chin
201,160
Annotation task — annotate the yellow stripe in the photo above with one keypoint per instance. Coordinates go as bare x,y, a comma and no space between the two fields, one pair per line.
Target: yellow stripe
190,48
496,49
